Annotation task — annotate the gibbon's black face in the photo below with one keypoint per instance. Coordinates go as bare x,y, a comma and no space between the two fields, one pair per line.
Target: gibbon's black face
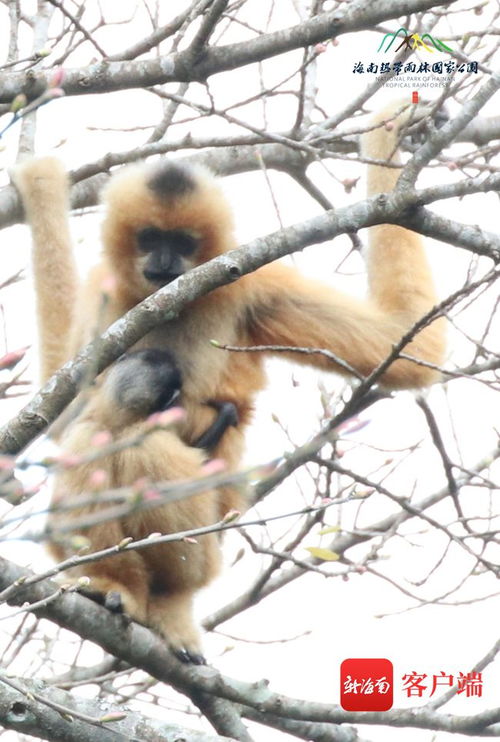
145,381
167,253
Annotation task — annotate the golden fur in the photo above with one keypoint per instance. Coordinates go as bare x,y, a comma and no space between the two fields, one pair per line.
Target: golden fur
275,305
157,584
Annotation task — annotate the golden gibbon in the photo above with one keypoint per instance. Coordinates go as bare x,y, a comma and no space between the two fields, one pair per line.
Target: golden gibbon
155,585
160,220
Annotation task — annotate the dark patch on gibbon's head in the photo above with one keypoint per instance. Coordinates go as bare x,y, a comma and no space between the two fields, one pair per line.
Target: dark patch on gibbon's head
170,179
145,381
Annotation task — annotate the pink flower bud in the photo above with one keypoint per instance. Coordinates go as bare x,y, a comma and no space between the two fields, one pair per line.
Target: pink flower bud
151,494
108,285
214,466
166,418
101,439
349,184
55,93
230,516
68,460
6,463
57,78
12,358
98,479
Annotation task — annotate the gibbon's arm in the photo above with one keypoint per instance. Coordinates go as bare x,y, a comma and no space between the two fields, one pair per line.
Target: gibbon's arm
227,416
292,310
399,276
43,185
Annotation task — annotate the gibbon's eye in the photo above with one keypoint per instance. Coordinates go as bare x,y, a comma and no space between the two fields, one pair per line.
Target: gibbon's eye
185,243
150,239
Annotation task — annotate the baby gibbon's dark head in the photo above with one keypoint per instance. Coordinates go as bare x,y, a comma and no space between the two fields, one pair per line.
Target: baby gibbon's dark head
143,382
161,220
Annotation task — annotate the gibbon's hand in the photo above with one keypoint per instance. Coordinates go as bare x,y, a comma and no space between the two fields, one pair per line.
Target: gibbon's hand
227,415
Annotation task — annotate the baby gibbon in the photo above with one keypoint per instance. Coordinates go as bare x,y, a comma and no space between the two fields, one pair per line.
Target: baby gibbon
160,220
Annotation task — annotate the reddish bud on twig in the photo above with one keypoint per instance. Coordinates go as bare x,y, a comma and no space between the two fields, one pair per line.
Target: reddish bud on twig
12,358
57,78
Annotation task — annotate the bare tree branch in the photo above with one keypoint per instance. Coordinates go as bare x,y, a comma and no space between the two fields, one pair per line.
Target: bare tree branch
105,76
141,648
167,302
33,707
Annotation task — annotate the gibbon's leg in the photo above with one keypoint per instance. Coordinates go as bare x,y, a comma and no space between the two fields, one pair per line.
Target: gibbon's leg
122,580
295,311
43,185
157,579
163,576
179,568
172,616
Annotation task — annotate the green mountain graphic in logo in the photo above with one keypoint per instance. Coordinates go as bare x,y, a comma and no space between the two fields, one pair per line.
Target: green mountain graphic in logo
412,41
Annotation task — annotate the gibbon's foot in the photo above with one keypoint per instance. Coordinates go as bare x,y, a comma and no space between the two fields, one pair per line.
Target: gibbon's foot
187,657
96,596
113,602
171,615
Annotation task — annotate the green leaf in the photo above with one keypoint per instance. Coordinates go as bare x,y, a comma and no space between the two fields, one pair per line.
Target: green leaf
112,716
329,529
326,555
